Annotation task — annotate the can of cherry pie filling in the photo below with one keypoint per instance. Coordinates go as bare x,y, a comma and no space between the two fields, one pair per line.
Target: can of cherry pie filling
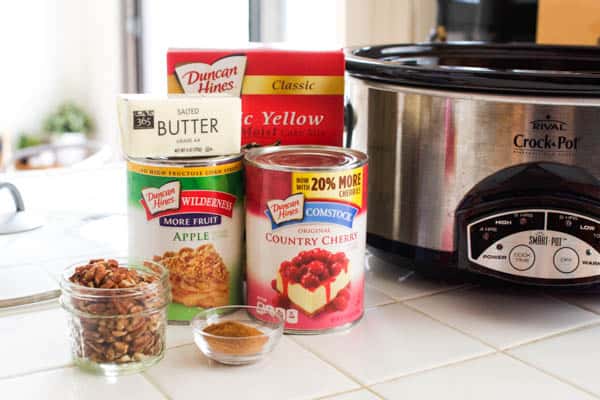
306,210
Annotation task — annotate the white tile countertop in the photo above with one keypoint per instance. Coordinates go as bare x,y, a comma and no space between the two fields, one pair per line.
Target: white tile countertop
419,339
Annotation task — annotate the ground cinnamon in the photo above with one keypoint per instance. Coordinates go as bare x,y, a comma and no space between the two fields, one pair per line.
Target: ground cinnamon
245,340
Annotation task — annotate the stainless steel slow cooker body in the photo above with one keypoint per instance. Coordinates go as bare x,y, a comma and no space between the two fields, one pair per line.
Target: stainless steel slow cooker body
431,149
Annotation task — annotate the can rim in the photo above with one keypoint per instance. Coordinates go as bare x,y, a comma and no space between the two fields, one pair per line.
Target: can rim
358,158
185,161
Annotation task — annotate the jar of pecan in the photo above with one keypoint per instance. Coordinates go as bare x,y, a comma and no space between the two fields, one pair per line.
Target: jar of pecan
117,314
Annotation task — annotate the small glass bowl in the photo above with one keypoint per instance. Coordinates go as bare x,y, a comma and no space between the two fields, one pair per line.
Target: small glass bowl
242,349
117,331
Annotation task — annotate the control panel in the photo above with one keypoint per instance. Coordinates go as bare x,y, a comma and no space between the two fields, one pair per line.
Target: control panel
547,244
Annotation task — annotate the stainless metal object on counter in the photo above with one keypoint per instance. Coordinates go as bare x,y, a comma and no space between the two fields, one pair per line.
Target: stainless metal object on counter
429,148
19,220
483,158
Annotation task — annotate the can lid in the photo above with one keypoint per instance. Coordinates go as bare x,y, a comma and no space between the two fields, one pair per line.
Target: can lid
305,157
184,162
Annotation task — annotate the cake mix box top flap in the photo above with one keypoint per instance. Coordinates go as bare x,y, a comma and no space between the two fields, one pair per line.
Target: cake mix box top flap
190,219
306,224
288,96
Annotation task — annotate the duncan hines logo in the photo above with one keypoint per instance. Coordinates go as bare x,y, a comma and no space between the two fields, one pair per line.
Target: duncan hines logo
294,210
224,76
164,198
546,135
290,209
169,199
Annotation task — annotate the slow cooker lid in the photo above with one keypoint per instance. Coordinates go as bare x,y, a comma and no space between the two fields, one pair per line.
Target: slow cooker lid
526,69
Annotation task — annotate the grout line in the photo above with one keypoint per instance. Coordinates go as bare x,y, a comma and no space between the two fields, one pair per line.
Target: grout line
433,368
75,256
504,351
552,375
367,386
321,358
509,347
374,393
37,371
330,396
469,335
155,385
553,335
491,351
582,306
431,293
179,346
527,364
293,339
379,291
549,335
367,309
374,306
30,308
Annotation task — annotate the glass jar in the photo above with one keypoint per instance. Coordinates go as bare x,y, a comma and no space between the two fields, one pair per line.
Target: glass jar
118,330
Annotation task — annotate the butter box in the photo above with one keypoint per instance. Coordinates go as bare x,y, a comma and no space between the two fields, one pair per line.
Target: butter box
179,126
288,96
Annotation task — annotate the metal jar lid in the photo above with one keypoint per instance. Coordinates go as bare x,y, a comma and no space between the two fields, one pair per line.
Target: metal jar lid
522,69
305,158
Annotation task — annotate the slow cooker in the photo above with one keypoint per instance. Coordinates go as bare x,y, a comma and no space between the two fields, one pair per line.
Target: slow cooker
483,158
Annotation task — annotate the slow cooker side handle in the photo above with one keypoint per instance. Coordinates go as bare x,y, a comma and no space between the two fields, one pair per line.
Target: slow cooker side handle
349,123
